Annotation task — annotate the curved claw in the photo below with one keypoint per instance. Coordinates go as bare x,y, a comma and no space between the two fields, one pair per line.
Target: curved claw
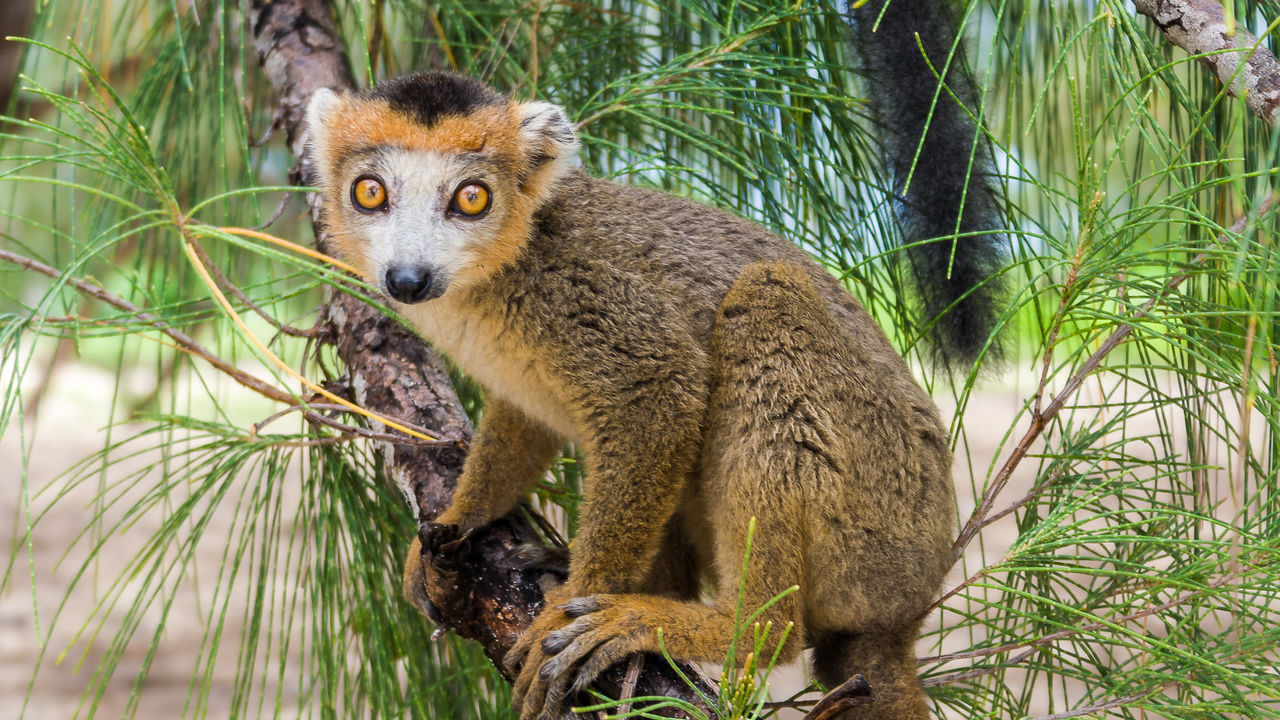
428,608
597,653
531,691
559,639
563,674
562,664
414,584
568,647
579,606
554,705
586,648
605,656
525,659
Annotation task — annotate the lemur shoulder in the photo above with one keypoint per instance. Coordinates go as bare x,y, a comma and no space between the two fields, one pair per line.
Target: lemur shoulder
709,371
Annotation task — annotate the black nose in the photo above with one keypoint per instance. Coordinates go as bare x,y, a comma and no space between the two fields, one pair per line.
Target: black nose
408,284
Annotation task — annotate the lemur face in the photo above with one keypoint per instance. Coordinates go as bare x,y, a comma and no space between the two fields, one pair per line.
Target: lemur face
430,181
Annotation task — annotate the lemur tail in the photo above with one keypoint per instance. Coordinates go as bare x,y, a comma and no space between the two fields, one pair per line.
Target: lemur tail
957,272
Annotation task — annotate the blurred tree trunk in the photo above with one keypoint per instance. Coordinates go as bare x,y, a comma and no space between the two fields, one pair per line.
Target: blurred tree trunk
15,20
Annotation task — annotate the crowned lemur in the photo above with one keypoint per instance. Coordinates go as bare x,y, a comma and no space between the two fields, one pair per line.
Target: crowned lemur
709,371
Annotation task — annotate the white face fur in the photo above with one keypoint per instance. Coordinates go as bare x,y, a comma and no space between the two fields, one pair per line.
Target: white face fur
419,227
421,237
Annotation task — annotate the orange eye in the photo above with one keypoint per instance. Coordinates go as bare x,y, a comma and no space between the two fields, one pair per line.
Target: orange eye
471,200
368,194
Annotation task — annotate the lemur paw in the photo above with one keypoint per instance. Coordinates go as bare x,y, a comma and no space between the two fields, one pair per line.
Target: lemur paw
601,630
440,545
526,658
443,544
415,584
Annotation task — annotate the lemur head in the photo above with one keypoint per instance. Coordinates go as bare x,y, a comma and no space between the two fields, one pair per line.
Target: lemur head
432,180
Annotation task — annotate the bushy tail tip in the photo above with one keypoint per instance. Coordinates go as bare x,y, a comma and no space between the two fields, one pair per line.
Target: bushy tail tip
948,205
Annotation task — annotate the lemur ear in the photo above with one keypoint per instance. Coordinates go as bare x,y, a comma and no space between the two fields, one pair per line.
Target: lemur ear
547,138
320,110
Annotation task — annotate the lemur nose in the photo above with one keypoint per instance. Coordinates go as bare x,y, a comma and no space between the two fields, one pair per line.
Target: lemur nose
408,284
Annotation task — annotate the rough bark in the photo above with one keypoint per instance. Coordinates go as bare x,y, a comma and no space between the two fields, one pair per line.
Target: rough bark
1200,28
490,591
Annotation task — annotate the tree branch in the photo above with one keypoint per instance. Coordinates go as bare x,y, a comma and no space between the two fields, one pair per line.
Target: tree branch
1113,703
1071,631
187,344
1200,28
491,592
1040,420
183,341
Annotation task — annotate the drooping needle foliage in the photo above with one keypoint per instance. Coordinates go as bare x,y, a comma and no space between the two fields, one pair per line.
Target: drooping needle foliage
1118,558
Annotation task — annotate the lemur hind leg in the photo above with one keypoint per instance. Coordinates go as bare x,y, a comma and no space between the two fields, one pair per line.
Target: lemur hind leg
606,628
769,450
834,457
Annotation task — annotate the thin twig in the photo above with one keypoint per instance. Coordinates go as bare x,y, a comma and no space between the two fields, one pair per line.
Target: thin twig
978,672
634,665
853,692
315,442
276,118
311,414
281,242
1041,420
1117,702
1032,494
389,438
489,65
1068,632
793,702
192,248
183,341
284,203
549,531
257,427
231,288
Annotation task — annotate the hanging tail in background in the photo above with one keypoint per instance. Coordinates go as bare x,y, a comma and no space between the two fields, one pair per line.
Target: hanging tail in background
947,177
